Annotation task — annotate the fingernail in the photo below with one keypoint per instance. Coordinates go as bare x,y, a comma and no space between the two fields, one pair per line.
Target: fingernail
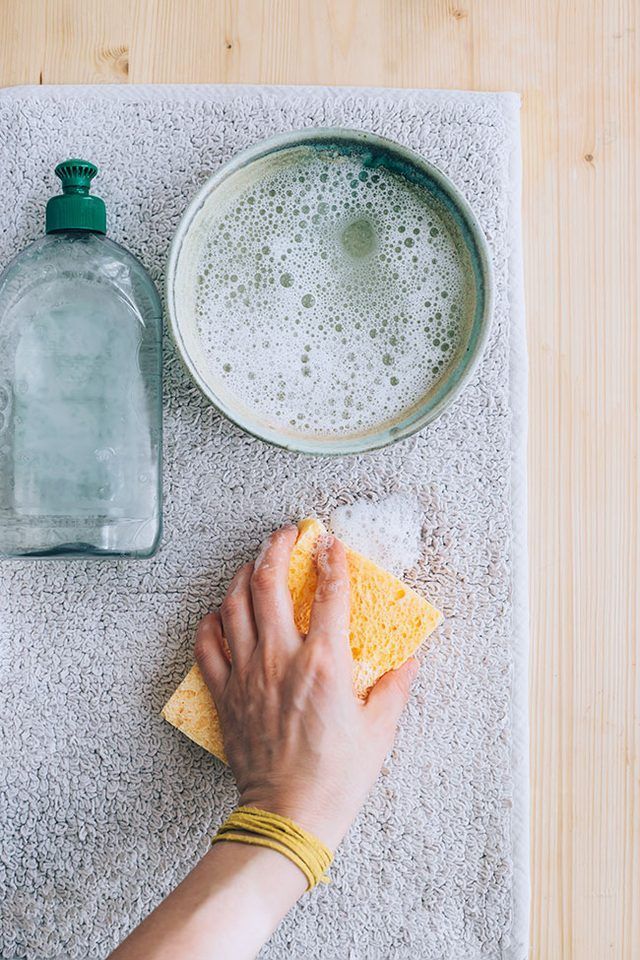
205,625
413,668
262,552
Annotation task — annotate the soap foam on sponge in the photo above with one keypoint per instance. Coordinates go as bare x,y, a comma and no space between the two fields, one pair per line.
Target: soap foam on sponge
388,623
388,531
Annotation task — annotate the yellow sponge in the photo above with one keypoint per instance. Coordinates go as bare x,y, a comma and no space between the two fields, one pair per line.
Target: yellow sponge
388,623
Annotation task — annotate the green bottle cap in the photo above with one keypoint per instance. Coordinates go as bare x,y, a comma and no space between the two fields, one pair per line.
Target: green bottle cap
75,208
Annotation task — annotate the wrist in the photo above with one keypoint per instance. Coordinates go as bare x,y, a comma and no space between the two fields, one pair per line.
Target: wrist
319,822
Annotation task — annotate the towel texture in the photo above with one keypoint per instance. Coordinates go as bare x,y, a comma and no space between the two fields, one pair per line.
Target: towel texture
103,806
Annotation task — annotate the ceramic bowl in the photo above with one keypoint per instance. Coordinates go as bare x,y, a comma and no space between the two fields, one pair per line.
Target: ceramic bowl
442,194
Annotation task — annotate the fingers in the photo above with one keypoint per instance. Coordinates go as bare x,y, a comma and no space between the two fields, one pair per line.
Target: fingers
237,618
389,696
272,605
329,623
213,664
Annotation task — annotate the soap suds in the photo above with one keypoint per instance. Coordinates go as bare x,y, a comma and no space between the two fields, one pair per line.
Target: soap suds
387,531
325,542
329,298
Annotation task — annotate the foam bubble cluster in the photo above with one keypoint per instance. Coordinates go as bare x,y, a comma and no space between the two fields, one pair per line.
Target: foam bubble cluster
388,531
330,296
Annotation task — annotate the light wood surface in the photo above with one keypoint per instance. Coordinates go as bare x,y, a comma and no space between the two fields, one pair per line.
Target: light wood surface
575,64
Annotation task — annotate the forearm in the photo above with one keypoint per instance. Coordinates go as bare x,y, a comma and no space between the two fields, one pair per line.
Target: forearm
228,906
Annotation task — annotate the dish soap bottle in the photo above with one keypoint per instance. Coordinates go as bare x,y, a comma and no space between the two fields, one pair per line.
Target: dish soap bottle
80,389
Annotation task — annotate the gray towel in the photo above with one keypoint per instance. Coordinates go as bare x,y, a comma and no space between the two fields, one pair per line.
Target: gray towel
103,806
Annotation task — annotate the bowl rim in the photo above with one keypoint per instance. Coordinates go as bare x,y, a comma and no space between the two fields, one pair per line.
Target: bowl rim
370,441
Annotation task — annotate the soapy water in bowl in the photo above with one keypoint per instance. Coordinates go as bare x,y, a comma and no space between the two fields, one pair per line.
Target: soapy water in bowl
330,298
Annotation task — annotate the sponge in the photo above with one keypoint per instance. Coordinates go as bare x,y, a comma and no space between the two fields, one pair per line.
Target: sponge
388,623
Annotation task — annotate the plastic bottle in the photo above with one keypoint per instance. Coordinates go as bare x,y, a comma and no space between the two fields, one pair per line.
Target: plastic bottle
80,389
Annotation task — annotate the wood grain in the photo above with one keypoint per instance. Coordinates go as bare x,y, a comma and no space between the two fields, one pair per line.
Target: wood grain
576,65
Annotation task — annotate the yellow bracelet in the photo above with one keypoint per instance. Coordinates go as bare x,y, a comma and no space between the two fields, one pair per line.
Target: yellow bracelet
265,829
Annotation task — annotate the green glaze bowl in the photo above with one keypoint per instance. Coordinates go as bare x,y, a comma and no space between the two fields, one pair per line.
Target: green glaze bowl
422,180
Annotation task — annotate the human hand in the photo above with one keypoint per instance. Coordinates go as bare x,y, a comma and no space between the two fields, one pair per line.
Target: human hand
298,740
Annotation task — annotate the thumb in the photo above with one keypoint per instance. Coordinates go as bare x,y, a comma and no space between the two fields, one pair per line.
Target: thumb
389,696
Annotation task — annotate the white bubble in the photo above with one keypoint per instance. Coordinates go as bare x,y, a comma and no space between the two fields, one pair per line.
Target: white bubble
364,280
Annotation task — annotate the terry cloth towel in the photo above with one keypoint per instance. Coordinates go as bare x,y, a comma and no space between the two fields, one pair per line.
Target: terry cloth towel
103,806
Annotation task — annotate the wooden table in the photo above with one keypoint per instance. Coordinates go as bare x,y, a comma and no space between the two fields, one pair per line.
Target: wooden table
576,67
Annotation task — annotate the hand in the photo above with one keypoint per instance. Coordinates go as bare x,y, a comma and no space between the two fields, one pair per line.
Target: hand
298,740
